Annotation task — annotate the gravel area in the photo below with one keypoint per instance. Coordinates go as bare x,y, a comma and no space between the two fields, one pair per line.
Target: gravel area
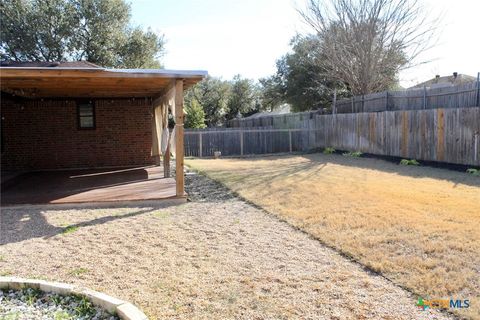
215,257
29,304
418,226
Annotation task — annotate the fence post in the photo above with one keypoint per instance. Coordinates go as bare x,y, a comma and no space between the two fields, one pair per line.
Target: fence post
353,103
265,141
386,100
241,142
478,89
200,145
475,148
363,103
458,95
424,97
334,106
290,140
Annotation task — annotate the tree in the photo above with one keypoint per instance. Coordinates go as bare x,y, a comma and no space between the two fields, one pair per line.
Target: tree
243,98
272,90
36,31
141,50
212,94
63,30
365,43
301,79
223,100
195,117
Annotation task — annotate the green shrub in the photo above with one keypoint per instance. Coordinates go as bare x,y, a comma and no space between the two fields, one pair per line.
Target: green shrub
69,229
84,308
194,115
62,315
353,154
411,162
328,150
31,295
475,172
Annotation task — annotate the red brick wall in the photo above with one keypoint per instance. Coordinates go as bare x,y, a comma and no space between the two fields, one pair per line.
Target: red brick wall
45,135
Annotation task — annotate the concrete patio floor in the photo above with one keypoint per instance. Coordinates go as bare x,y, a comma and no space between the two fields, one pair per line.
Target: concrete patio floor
89,185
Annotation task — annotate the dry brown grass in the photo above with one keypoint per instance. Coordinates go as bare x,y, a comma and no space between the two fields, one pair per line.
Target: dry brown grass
418,226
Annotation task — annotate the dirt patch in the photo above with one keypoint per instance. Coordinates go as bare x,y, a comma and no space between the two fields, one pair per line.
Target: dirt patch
215,257
418,226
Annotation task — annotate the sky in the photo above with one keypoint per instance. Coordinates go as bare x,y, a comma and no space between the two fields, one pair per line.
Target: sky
246,37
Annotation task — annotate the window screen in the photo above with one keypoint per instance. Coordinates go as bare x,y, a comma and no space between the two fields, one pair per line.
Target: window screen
86,115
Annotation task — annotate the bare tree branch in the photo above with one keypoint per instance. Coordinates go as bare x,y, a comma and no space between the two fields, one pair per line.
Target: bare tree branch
365,43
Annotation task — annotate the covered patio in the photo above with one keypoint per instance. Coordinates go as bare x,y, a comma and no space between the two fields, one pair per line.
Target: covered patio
79,133
89,185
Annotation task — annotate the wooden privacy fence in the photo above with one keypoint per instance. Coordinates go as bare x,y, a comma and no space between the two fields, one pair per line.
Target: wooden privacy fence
458,96
445,135
231,142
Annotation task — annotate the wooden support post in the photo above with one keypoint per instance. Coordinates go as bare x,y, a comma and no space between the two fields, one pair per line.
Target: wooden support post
200,145
179,151
160,104
241,142
155,147
166,160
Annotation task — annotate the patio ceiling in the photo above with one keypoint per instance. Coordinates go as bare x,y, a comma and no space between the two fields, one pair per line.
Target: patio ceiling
47,82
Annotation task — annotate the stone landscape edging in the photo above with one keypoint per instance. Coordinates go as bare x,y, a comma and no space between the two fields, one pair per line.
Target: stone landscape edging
123,309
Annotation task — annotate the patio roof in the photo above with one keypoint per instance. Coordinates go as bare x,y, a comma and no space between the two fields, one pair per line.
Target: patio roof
72,82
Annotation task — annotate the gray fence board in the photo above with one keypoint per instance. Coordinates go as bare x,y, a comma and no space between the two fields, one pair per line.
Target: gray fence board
458,96
447,135
464,95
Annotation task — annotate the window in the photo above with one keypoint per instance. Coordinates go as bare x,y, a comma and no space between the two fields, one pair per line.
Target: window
86,115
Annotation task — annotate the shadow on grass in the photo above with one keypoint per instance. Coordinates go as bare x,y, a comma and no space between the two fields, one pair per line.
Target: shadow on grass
261,175
315,162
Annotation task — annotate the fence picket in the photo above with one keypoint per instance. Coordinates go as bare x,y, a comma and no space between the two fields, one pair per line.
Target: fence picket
447,134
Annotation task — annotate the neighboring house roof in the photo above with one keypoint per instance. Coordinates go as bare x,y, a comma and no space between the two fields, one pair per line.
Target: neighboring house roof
445,81
284,108
42,64
85,79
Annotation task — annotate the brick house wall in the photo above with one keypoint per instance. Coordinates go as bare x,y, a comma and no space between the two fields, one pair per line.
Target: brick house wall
45,135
